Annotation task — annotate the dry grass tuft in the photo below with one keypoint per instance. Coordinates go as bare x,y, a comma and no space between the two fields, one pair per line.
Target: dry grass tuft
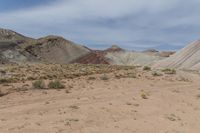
169,71
56,85
147,68
38,84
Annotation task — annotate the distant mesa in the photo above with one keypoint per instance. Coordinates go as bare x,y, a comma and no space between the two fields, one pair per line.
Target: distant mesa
151,51
114,48
166,53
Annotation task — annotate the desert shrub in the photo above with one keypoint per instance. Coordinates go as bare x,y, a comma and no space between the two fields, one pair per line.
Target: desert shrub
144,96
74,107
7,80
2,80
2,94
126,75
39,84
198,96
131,75
156,74
91,78
181,78
31,78
146,68
56,85
169,71
104,77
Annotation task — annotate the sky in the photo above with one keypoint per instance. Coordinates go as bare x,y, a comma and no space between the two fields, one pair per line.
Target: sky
98,24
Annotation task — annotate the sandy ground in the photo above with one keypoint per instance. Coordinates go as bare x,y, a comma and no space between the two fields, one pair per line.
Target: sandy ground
98,106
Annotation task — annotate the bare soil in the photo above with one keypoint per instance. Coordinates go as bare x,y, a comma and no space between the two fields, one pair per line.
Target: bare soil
126,101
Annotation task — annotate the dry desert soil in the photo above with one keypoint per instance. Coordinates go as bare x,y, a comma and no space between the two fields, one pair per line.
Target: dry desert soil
99,99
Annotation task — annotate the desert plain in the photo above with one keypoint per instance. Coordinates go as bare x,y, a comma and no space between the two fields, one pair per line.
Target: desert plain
98,99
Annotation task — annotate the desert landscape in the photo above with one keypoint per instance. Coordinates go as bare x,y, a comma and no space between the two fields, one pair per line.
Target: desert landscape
53,85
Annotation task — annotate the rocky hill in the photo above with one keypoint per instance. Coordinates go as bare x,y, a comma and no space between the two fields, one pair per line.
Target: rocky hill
99,56
54,49
16,48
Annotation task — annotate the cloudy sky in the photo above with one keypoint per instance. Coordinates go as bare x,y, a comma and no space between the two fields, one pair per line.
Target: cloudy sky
131,24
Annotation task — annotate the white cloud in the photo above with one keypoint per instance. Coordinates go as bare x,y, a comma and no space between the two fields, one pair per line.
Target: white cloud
81,9
113,21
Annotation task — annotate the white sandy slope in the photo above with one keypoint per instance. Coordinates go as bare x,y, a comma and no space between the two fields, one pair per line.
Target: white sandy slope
188,58
132,58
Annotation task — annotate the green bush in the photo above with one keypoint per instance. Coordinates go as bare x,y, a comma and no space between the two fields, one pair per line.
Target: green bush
146,68
39,84
56,85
